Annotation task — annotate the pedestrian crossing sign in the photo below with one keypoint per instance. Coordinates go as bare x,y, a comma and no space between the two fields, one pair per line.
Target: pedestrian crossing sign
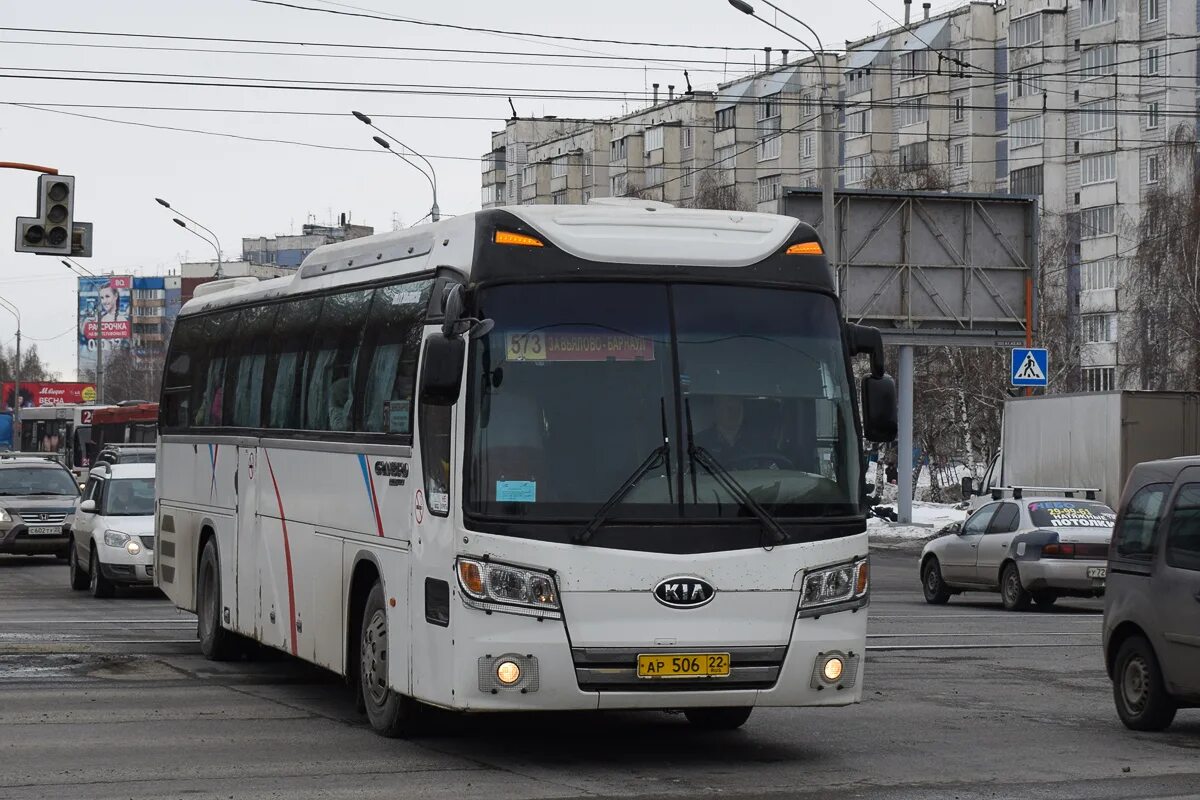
1029,366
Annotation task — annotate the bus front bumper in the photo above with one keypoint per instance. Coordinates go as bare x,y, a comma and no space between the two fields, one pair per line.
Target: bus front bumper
552,675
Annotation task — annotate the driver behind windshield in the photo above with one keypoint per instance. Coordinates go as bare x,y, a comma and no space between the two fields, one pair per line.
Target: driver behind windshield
726,436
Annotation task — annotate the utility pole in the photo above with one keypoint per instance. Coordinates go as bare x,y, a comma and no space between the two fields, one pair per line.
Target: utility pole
16,420
99,354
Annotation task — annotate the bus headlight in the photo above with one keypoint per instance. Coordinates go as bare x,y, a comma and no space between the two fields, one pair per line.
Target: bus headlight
835,588
503,587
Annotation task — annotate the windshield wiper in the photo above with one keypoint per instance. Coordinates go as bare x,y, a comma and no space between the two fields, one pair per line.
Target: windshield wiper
697,454
659,455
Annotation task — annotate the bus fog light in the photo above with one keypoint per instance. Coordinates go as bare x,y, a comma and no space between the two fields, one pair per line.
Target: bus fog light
834,670
508,673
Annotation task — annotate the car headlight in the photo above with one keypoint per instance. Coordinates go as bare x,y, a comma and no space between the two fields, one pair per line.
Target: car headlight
835,588
5,516
492,586
128,543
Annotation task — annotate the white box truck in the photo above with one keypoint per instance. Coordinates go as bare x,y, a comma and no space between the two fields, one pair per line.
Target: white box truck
1088,441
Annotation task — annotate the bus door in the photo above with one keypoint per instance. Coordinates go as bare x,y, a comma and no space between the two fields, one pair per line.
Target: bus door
249,601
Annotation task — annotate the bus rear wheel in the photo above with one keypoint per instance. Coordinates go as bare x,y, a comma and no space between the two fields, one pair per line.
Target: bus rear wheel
718,719
391,714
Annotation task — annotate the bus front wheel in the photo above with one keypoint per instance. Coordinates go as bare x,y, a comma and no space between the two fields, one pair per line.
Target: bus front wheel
216,643
391,714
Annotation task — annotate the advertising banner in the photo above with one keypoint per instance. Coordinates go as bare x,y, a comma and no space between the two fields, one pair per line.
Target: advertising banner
41,393
110,296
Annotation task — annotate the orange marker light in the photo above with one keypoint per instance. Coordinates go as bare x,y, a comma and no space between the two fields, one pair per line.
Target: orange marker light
806,249
472,580
864,579
521,239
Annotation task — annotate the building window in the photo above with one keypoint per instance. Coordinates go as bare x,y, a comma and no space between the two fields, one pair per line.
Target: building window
1153,62
914,156
654,139
725,161
1026,83
1098,221
725,118
618,185
529,175
959,109
559,198
856,124
490,195
654,175
1099,328
959,154
685,180
768,188
587,164
685,137
913,110
1152,115
1096,62
1026,182
1025,132
768,107
808,146
1099,379
618,149
912,64
558,167
768,127
1098,169
1098,275
1025,31
1100,115
1152,169
1151,10
856,82
587,196
857,169
1096,12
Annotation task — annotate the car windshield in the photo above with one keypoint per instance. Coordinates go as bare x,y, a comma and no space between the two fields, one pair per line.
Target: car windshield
1071,514
16,481
129,497
577,384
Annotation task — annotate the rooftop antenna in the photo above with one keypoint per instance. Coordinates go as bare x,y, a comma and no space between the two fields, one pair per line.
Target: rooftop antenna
513,107
688,81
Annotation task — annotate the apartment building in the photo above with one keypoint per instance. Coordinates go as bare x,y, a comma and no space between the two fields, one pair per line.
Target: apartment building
288,250
1070,101
154,304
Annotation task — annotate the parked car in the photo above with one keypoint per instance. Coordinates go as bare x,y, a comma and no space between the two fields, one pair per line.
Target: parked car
1152,608
1029,548
36,495
112,530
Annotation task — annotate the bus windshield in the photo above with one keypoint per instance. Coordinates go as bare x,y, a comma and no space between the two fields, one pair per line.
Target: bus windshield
578,384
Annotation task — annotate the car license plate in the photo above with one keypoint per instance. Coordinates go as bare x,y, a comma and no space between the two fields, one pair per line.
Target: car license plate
45,530
683,665
1098,572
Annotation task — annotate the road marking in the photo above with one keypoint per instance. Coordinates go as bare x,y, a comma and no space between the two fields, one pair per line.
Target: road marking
878,647
968,615
961,635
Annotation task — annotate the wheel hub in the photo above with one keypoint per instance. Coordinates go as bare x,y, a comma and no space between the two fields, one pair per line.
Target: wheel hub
1135,684
374,658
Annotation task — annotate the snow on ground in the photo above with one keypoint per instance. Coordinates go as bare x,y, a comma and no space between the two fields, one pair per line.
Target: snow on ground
928,519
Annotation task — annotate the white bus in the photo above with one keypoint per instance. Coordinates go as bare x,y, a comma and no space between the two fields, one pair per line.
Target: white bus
536,458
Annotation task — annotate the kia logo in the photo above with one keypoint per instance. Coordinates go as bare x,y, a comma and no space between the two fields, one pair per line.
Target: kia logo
684,592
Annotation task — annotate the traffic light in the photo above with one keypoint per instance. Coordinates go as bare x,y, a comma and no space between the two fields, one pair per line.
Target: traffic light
51,231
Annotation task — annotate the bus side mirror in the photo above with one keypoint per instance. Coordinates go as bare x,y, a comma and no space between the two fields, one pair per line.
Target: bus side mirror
968,487
879,408
865,340
442,369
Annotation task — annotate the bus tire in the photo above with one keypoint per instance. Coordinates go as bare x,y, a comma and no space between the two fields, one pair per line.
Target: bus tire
718,719
391,714
216,643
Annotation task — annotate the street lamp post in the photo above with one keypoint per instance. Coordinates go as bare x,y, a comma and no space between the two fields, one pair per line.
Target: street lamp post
431,176
215,243
68,263
16,421
828,141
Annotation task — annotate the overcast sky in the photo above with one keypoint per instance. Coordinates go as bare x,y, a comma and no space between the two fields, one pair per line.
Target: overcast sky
249,188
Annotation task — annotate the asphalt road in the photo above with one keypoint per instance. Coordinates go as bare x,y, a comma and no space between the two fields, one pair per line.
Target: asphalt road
111,699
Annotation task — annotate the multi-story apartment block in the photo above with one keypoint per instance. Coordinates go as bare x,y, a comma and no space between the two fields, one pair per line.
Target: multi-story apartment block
153,307
289,250
1070,101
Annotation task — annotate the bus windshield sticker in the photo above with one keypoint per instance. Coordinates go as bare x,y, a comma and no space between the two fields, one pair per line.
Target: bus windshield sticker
516,491
395,416
577,346
439,502
406,298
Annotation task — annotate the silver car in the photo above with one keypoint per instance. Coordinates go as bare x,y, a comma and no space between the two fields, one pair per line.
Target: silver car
1030,549
1152,608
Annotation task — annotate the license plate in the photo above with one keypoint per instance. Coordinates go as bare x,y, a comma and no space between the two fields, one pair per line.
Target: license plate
45,530
683,665
1097,572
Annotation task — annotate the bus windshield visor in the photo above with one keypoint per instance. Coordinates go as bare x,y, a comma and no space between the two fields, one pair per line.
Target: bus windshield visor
578,383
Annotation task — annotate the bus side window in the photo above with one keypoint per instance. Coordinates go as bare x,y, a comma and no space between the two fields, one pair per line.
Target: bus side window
294,329
218,330
388,359
329,397
248,377
177,379
435,457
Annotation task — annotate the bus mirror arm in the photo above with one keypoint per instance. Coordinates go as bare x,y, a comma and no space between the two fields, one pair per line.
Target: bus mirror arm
454,320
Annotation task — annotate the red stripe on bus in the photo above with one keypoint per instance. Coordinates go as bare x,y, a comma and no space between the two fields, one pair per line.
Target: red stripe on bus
374,498
287,553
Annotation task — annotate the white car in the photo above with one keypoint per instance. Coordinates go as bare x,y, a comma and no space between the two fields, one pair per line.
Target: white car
112,531
1027,548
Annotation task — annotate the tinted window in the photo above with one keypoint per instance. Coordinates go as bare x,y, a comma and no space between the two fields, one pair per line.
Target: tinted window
208,374
332,364
389,357
1071,514
129,497
294,328
1183,537
1135,536
254,331
978,522
1007,519
435,457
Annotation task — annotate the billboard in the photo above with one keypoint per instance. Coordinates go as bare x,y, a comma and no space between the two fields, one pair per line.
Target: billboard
110,297
44,393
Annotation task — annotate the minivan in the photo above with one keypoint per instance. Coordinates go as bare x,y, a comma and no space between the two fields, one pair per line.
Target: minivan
1152,602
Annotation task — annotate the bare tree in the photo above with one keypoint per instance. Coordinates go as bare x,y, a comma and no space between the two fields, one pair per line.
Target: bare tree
712,192
131,377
